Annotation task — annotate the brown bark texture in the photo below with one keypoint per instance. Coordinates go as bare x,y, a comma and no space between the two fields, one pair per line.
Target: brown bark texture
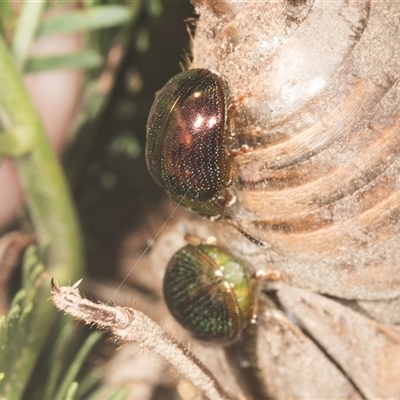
321,186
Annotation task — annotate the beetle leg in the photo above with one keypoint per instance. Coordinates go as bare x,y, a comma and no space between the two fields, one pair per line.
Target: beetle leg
270,275
236,104
232,108
244,149
252,239
230,199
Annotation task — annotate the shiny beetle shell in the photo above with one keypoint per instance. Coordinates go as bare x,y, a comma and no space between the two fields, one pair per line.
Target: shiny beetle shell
209,292
186,141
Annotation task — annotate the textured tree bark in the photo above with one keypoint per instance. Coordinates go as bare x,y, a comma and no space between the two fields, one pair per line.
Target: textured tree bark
321,185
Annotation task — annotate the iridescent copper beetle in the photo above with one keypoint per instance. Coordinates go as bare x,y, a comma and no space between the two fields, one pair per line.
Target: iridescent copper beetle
187,139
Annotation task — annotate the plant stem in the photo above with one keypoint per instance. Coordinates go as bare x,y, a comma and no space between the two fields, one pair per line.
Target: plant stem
130,325
15,144
47,196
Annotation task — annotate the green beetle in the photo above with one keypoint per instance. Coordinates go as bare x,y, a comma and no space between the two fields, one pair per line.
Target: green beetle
209,292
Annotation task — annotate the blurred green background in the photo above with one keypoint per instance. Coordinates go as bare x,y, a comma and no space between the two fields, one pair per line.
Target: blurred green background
106,164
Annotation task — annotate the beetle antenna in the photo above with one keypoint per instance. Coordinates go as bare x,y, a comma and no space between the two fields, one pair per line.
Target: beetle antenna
252,239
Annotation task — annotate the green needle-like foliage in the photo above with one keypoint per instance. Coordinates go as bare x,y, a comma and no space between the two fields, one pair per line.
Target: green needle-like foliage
19,337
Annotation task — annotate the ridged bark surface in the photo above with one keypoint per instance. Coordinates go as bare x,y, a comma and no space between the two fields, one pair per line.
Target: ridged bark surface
321,186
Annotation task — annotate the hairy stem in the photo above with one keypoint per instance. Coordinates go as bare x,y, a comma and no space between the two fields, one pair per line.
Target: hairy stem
129,325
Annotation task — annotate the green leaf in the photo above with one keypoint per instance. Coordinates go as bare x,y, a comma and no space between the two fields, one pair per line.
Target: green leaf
110,393
20,342
64,391
70,395
18,337
81,60
28,23
59,351
88,19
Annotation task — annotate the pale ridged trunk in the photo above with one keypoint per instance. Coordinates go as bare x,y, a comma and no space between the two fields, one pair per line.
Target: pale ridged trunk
322,184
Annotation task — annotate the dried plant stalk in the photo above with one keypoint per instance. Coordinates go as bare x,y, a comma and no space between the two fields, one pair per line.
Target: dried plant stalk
129,325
